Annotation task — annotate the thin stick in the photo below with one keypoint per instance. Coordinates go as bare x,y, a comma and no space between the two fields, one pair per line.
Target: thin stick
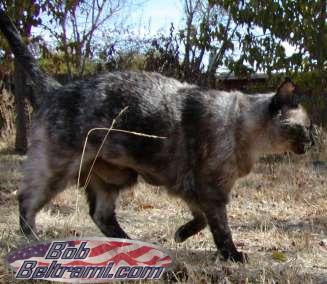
102,143
99,149
28,225
131,132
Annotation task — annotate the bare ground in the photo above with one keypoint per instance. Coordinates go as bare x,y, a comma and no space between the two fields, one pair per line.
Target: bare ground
278,215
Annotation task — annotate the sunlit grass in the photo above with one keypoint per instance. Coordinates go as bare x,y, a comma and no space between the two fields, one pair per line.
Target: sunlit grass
278,215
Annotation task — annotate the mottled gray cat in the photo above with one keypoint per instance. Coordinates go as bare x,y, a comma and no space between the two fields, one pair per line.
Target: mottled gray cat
213,138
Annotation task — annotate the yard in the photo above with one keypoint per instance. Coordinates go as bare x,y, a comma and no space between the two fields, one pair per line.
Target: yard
278,215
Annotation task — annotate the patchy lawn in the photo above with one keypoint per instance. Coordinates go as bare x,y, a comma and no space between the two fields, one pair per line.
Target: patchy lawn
278,215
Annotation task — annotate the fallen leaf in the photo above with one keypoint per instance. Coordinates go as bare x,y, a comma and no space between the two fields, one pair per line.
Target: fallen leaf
279,256
145,206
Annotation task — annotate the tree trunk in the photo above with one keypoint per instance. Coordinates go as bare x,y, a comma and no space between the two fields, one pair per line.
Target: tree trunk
21,107
321,34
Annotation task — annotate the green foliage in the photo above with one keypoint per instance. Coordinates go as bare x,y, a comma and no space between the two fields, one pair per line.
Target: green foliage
314,87
244,36
73,24
279,256
125,61
313,83
131,61
26,15
76,23
301,23
56,66
163,55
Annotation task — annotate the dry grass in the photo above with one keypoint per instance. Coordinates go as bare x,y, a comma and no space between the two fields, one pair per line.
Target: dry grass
278,215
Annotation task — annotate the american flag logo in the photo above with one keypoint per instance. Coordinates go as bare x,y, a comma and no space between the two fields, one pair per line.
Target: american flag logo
89,260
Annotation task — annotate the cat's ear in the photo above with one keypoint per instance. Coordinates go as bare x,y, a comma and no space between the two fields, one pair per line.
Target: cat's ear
285,96
286,90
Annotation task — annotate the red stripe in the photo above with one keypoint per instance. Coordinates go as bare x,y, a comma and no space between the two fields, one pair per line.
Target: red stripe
84,263
120,244
125,257
40,263
138,252
117,258
155,260
106,247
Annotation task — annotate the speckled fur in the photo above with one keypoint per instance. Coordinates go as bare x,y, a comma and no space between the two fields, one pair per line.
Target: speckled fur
213,138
